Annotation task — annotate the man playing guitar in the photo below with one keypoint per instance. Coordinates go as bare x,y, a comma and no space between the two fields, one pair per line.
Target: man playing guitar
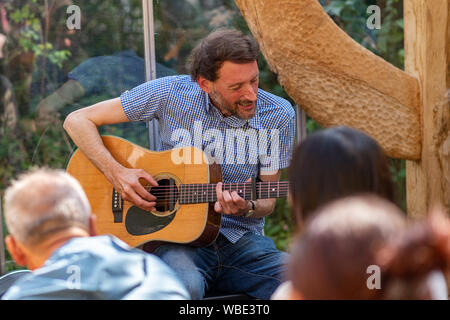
222,93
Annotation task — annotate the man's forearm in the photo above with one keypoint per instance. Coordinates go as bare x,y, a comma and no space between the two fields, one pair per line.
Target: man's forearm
85,135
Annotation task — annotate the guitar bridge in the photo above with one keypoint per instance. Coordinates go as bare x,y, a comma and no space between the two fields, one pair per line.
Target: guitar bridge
117,206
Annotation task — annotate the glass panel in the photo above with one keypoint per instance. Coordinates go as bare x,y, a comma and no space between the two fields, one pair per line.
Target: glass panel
56,58
180,24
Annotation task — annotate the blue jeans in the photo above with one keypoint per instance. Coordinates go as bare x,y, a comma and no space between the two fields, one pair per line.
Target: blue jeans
252,265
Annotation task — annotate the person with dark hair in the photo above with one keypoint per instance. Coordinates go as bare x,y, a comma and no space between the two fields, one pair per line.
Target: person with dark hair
207,57
220,99
362,247
334,163
331,164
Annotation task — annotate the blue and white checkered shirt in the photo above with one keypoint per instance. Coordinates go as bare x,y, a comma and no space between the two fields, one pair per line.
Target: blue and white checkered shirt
243,147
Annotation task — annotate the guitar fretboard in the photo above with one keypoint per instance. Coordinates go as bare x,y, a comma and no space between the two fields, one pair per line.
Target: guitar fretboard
200,193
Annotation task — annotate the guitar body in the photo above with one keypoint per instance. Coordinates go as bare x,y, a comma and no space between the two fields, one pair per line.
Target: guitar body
190,224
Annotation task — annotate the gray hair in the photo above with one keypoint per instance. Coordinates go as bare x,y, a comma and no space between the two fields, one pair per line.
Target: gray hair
42,202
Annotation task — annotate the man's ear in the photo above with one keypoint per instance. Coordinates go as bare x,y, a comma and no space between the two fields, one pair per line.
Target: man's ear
205,84
93,225
15,250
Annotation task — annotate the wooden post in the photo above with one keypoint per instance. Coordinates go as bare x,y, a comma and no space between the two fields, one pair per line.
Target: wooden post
427,56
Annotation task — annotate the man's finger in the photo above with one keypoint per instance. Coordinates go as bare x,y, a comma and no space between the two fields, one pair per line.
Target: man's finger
139,202
227,197
219,191
145,175
218,207
144,193
237,199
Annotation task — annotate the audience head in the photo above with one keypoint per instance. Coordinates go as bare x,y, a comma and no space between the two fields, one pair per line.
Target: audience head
334,163
43,209
332,258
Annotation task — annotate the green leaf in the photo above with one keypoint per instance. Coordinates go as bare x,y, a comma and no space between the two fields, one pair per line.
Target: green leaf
334,8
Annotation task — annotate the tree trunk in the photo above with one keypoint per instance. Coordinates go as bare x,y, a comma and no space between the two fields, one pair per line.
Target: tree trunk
333,78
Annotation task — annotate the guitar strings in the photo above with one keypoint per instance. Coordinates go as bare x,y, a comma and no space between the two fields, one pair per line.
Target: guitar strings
187,192
228,185
213,186
211,190
183,188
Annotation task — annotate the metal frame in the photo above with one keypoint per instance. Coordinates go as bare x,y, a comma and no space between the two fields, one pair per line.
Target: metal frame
301,124
150,66
2,244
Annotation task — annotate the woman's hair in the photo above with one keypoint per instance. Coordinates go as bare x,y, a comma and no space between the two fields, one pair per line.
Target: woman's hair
219,46
334,163
349,239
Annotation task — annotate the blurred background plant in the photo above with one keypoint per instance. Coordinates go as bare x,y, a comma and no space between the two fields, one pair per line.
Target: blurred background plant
41,55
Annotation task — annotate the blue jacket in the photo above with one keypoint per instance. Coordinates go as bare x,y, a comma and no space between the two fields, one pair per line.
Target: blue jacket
101,267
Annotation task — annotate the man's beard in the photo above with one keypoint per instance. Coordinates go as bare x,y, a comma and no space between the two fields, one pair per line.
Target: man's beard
231,109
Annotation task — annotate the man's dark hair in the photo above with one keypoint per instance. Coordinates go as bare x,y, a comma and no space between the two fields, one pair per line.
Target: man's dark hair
220,46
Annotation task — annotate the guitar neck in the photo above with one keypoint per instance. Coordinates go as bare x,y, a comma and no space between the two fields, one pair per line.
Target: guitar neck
201,193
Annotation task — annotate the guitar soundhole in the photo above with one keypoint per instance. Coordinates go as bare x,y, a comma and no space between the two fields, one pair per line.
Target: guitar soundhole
166,194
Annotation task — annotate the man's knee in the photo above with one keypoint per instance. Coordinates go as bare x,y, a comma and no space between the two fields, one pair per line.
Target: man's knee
181,260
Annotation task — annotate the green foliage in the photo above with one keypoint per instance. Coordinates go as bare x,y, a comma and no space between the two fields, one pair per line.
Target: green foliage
31,146
30,35
390,36
26,147
351,16
387,42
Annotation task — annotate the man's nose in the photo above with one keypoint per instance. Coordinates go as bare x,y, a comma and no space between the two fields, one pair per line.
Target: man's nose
251,93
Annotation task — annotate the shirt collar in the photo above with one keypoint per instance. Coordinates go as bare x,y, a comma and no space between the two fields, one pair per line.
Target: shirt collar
208,101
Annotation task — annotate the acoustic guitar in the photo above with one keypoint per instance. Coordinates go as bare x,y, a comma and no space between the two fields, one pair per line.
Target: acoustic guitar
185,194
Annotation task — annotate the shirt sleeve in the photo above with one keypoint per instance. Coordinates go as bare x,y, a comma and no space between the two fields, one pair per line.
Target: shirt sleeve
145,101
